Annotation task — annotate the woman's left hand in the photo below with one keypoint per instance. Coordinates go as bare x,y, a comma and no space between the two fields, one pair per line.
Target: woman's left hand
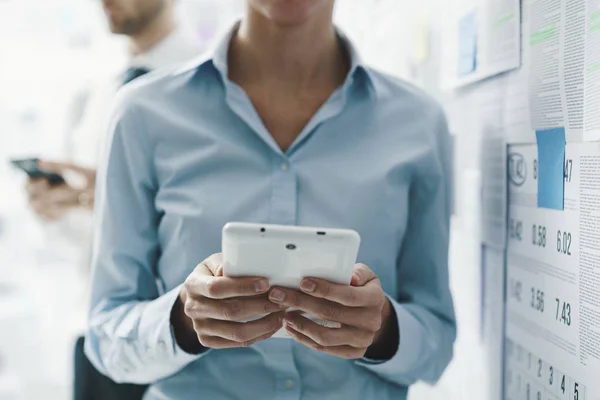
361,308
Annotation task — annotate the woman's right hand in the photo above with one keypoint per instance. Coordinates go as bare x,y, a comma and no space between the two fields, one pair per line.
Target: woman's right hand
211,305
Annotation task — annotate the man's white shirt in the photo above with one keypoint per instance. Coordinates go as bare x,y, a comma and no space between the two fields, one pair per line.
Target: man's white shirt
85,139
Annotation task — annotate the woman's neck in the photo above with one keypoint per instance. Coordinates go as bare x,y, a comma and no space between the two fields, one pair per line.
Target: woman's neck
303,56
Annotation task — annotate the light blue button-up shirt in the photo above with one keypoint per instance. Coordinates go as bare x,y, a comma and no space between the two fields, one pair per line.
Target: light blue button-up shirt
187,153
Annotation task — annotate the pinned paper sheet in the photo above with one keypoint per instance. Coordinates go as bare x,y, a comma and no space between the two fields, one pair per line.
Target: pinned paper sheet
467,44
551,161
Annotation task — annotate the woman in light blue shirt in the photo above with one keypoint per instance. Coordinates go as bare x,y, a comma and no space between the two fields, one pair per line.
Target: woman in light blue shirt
282,123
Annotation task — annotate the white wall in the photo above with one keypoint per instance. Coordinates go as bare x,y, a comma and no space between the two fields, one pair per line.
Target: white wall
404,38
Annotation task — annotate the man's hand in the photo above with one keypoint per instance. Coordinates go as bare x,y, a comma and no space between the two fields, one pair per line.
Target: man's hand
365,315
210,305
52,202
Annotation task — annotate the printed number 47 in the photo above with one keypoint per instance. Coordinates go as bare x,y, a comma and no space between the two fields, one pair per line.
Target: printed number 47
568,170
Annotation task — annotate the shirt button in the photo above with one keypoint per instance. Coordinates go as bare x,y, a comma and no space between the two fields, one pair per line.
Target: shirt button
288,384
284,166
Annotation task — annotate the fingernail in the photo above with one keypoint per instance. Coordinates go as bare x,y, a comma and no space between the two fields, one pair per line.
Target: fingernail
308,286
277,295
261,285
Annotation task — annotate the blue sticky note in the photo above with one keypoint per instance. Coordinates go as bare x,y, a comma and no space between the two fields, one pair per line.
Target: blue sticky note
467,44
551,161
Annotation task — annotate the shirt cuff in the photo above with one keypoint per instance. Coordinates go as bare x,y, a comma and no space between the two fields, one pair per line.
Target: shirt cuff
157,318
409,348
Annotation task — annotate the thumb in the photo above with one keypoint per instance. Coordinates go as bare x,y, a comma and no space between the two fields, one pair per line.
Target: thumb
214,264
362,275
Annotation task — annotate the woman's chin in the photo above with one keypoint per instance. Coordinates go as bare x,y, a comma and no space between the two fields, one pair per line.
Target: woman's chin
290,12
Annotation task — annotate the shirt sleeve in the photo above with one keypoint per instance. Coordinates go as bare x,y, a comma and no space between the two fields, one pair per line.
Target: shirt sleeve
130,338
424,308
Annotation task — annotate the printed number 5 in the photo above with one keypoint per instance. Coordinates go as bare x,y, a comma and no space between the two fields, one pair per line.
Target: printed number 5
576,392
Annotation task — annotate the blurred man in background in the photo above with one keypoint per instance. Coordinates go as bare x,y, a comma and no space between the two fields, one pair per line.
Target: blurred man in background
155,41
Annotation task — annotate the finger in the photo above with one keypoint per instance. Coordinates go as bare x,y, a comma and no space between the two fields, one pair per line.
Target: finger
38,206
64,167
36,187
224,287
343,294
48,212
235,309
51,214
362,317
61,195
215,342
361,275
347,352
46,203
346,335
214,264
241,332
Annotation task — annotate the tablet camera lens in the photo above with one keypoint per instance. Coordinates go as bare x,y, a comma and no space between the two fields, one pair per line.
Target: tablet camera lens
291,246
262,230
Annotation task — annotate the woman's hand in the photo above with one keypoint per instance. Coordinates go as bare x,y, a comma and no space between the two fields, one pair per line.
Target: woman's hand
210,306
367,320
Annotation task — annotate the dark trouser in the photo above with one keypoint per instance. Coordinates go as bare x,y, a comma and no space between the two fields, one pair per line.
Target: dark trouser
92,385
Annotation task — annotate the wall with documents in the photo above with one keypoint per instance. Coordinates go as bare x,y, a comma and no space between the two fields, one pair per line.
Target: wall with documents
520,81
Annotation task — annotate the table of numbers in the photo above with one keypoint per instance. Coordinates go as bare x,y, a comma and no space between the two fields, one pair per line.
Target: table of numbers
529,377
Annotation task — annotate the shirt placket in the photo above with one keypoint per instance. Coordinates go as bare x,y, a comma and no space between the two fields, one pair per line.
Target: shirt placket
287,377
284,191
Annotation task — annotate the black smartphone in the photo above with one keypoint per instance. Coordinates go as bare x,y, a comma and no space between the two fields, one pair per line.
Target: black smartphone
30,167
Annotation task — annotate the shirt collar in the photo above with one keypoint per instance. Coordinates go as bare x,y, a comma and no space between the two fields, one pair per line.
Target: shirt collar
218,57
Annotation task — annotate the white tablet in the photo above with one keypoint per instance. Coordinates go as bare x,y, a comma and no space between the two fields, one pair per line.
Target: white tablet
287,254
